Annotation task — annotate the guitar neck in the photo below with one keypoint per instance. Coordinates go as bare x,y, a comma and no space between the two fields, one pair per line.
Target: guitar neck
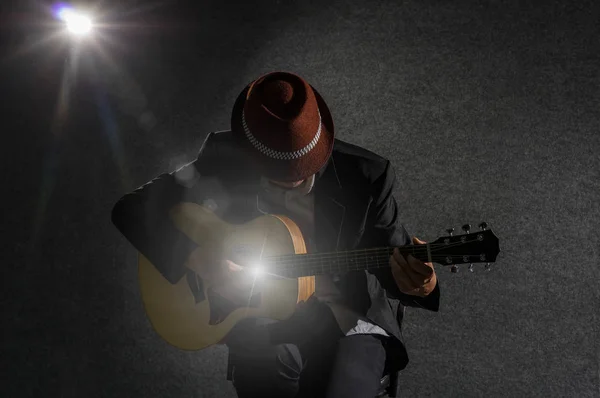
477,247
298,265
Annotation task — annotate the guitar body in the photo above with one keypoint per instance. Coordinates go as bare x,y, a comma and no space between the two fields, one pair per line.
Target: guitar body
192,320
191,315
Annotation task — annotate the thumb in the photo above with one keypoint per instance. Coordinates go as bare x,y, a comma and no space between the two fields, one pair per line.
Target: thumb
231,266
418,241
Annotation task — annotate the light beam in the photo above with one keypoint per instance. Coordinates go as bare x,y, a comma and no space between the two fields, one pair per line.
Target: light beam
77,23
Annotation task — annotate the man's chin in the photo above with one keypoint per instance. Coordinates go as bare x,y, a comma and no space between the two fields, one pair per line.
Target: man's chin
287,184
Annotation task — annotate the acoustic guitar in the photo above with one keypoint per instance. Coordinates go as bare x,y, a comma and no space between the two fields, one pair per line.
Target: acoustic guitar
191,316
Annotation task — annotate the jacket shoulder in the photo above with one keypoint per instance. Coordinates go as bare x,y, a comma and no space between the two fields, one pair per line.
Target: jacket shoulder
224,144
216,140
219,151
356,160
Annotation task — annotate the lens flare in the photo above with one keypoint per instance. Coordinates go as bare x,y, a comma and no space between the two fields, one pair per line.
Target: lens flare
77,23
257,269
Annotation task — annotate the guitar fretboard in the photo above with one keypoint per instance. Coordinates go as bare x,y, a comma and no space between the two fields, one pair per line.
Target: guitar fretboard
471,248
298,265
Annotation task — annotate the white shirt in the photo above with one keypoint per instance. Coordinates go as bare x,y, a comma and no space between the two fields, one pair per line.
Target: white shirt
298,204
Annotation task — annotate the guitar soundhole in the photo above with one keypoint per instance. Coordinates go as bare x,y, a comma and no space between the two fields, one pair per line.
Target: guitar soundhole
220,307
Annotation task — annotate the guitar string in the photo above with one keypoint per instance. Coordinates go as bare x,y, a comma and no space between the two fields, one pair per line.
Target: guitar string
295,272
433,246
361,254
376,261
364,262
361,263
346,267
380,262
308,272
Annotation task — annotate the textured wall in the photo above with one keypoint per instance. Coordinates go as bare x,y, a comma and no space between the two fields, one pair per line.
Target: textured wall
489,113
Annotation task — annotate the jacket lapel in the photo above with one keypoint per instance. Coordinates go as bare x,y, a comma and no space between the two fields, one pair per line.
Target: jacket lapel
329,208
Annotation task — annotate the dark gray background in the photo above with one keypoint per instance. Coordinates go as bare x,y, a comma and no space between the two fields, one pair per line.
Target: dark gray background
488,111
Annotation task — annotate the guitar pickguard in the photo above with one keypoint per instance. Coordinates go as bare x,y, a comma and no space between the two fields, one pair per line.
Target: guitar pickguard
220,307
193,314
196,286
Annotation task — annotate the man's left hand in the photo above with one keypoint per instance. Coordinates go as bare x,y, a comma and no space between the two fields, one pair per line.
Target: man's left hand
413,276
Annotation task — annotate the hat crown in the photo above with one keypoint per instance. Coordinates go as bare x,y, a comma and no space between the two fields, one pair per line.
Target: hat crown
277,98
284,125
281,111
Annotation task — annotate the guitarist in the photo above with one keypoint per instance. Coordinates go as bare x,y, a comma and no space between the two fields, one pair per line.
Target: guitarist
281,157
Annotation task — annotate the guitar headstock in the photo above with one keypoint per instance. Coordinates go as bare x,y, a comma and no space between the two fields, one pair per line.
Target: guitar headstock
472,247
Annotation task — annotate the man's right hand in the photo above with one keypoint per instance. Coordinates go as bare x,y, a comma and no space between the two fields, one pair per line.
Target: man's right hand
226,278
238,284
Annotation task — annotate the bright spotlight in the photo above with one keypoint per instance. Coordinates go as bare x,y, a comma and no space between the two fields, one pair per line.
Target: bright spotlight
77,23
257,269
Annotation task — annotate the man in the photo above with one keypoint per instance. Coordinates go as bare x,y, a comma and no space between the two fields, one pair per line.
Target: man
281,157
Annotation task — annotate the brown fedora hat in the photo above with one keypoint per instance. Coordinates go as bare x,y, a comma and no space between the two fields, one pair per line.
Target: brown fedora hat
285,125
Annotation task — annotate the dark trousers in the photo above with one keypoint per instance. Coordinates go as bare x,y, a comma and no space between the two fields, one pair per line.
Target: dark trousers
306,357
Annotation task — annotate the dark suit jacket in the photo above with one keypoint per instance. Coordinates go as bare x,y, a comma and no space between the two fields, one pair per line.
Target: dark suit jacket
354,209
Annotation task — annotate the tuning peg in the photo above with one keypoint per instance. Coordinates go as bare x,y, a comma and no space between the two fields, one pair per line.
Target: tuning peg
466,228
483,226
471,267
487,266
454,268
450,230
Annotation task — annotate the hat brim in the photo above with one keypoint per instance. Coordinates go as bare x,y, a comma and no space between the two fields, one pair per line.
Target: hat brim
285,170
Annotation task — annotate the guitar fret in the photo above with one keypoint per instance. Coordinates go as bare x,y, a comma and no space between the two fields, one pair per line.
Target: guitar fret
337,262
321,264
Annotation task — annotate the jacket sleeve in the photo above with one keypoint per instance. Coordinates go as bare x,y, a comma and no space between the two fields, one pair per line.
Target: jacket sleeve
383,228
142,216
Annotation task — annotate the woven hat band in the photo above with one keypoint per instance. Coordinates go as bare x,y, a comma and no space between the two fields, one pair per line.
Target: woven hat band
281,155
284,125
